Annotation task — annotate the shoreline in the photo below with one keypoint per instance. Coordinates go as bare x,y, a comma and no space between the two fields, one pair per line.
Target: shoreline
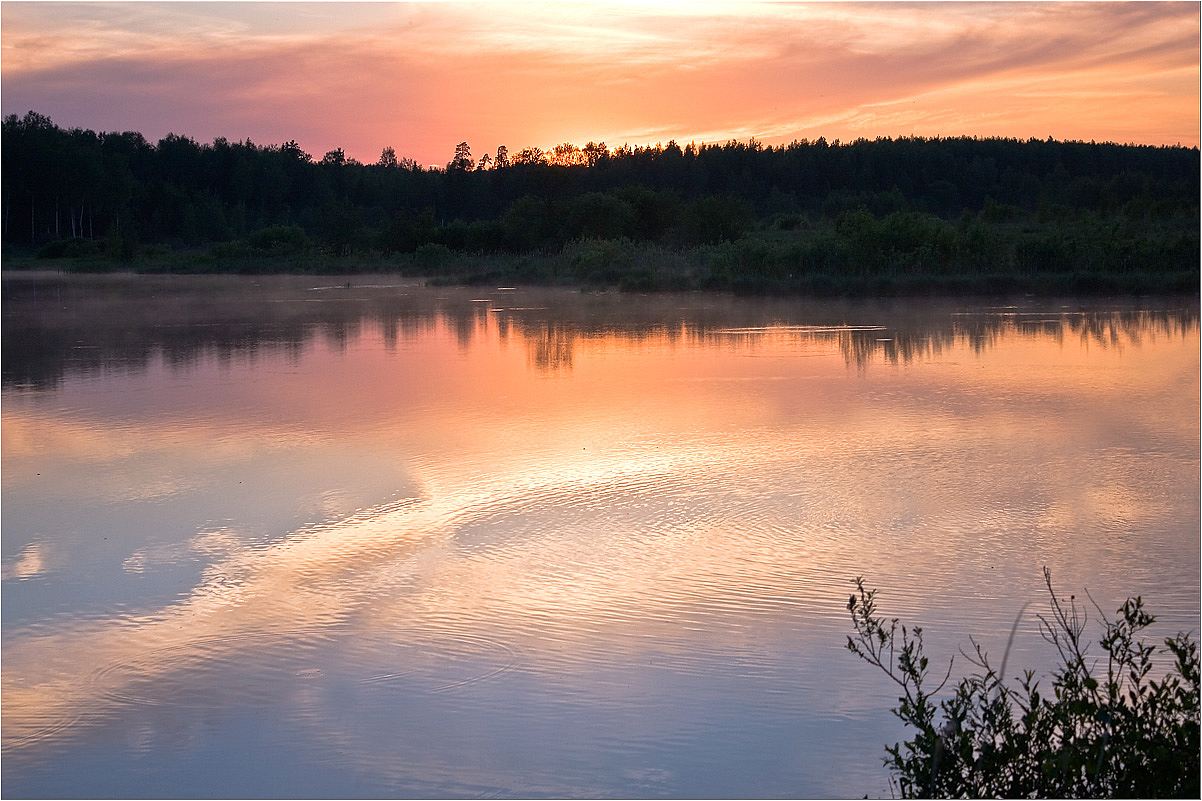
672,275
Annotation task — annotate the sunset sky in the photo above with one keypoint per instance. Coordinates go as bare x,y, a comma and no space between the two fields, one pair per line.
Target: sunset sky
422,76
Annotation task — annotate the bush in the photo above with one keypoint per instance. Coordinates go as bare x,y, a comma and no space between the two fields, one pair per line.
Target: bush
605,257
69,249
597,216
637,280
431,256
712,219
279,240
1105,730
229,250
120,246
52,250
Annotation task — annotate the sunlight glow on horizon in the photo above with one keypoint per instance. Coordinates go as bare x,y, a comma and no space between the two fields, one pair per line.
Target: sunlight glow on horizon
422,76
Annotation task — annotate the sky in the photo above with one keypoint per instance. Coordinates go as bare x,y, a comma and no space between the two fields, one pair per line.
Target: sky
422,76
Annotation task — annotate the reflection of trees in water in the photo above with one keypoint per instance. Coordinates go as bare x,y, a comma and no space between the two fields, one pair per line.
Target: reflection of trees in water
1108,329
338,333
76,327
551,344
549,347
72,327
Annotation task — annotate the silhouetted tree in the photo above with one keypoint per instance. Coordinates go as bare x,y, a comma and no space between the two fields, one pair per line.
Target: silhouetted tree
388,159
530,155
594,152
292,151
567,155
462,161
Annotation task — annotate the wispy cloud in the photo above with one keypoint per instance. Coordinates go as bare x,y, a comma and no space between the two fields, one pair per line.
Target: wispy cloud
422,76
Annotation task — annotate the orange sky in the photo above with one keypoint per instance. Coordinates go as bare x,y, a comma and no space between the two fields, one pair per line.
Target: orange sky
422,76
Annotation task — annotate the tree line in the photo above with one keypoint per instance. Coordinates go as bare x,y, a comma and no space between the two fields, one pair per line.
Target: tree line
79,192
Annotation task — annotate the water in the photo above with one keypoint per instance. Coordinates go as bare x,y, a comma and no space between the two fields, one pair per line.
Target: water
289,537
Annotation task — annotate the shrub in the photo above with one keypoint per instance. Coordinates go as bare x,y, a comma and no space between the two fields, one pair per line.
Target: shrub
639,279
229,250
280,240
431,256
52,250
82,248
1105,730
712,219
598,216
603,256
120,246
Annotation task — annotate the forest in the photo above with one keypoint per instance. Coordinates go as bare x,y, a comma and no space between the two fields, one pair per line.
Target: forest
883,216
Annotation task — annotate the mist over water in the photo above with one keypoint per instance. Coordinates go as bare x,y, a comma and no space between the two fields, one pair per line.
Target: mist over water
293,537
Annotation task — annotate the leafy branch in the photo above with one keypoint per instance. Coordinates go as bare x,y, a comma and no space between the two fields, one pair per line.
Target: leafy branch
1111,733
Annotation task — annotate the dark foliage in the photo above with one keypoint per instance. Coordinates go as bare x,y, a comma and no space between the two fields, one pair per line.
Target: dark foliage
898,213
1107,729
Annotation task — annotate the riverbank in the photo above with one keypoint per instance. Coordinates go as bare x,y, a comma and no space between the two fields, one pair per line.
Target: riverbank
750,267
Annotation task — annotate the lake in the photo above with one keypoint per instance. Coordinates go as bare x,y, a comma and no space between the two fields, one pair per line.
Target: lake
304,537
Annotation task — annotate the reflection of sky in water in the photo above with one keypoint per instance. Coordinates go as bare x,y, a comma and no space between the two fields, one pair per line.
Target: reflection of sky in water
406,542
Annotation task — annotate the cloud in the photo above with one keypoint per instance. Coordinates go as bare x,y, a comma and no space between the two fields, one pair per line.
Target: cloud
423,76
31,563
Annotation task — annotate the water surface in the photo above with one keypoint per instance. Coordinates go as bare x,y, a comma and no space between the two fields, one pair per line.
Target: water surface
293,537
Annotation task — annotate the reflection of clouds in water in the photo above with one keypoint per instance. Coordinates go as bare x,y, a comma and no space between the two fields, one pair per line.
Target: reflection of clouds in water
156,489
216,543
317,578
669,521
335,503
31,563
